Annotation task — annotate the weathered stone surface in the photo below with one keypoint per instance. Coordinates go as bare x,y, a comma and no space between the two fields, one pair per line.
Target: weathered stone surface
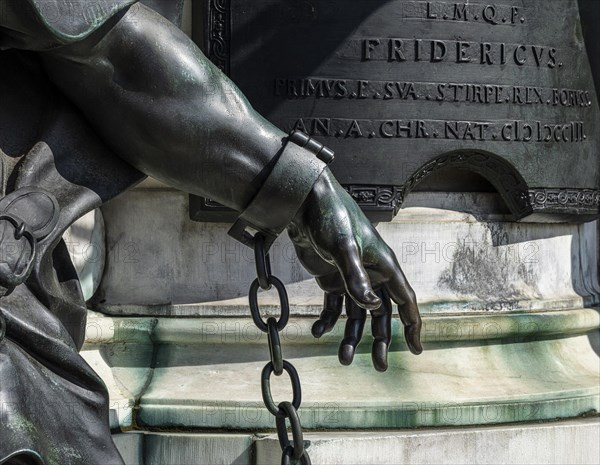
85,240
179,262
510,326
459,257
205,372
121,353
131,447
556,443
185,449
509,322
572,442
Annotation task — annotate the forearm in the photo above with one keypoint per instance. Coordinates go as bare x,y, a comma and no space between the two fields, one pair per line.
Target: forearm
163,107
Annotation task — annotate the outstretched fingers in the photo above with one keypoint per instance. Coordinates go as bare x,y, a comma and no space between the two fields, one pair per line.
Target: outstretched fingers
332,309
402,293
353,332
381,327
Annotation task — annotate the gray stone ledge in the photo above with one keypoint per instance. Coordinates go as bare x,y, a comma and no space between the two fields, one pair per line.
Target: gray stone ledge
469,327
566,442
561,443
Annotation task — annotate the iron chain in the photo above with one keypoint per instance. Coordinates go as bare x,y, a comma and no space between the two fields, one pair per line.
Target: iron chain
263,263
283,302
275,346
277,365
290,413
265,385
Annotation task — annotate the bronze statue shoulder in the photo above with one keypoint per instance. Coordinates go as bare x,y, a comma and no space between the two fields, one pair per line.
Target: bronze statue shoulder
74,20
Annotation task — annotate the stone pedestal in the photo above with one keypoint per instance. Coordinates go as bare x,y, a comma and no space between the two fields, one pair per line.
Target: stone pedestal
510,334
549,443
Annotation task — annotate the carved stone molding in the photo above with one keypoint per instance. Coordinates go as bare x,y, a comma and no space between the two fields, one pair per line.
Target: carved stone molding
581,200
218,33
388,198
380,203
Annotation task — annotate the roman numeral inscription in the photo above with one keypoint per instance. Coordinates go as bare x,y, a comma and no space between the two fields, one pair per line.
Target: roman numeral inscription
493,131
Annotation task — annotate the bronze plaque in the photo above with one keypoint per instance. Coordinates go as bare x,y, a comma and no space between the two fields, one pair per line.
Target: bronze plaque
402,89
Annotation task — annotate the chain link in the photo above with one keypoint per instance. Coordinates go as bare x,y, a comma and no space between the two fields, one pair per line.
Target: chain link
277,365
265,383
290,413
283,302
275,346
263,263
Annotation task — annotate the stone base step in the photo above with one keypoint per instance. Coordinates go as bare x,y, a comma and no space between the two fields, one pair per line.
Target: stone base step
566,442
204,373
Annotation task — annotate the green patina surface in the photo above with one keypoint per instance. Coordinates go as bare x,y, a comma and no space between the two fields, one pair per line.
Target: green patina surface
476,369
